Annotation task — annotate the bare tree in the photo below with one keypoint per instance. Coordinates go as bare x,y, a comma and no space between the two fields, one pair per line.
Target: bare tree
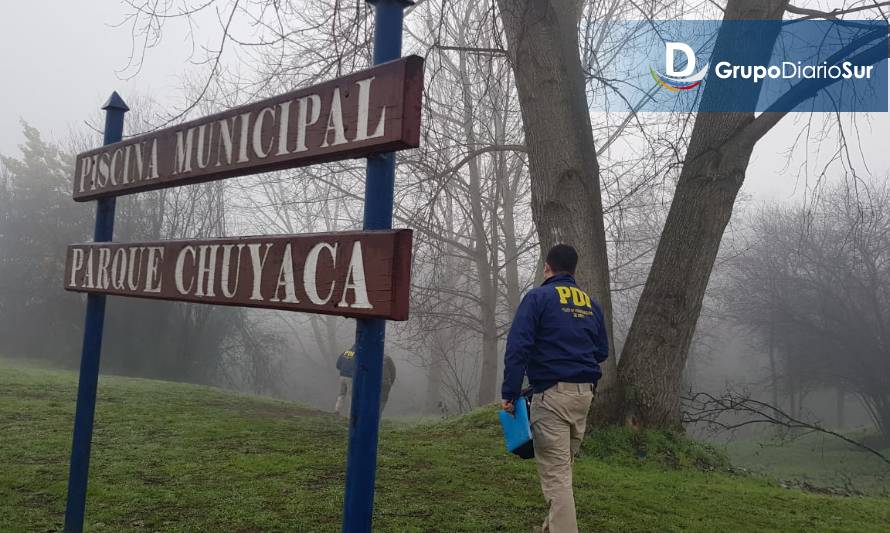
819,275
557,50
713,172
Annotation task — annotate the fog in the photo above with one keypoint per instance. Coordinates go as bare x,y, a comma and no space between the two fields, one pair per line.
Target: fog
815,183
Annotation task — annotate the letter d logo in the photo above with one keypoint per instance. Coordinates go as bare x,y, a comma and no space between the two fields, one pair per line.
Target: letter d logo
669,57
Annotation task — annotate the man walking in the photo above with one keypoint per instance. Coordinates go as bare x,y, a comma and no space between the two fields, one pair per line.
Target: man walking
346,365
558,338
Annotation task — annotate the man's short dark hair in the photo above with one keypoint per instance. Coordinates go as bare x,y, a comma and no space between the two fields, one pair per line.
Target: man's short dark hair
562,258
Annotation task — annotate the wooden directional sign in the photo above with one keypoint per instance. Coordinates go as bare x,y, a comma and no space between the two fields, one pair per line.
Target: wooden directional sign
357,274
375,110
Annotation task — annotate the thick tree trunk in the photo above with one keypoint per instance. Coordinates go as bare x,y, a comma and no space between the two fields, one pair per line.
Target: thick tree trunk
565,187
658,341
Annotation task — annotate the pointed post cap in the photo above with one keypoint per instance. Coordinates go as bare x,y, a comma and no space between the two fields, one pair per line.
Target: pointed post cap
115,102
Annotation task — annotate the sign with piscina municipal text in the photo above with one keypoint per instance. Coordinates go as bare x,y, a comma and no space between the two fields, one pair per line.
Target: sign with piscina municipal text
363,274
375,110
748,66
360,274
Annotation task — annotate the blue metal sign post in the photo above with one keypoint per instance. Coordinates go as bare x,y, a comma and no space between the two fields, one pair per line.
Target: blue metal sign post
364,421
361,463
92,345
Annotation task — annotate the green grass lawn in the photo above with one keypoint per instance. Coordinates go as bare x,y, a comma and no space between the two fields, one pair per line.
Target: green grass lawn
176,457
816,460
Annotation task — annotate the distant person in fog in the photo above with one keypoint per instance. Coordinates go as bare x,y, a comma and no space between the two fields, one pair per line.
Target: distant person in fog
389,377
346,366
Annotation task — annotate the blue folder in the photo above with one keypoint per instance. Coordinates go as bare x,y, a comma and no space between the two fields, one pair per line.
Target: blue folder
517,429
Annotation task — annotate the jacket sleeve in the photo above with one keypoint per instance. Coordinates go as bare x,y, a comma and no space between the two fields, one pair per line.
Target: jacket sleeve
340,362
520,342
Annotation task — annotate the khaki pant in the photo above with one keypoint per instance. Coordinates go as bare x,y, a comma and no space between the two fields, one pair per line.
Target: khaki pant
344,397
558,419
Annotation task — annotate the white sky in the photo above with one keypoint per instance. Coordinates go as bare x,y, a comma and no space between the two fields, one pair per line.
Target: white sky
59,62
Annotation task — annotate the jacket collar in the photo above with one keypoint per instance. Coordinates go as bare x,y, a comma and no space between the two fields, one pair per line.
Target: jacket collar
559,277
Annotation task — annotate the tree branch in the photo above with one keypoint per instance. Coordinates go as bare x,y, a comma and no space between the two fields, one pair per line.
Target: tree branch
833,14
761,125
702,407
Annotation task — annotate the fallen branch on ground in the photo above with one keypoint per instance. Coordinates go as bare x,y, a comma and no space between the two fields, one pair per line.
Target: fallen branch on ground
705,408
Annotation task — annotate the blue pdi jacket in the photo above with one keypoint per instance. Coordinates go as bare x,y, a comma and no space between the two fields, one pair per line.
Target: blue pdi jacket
346,363
558,334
